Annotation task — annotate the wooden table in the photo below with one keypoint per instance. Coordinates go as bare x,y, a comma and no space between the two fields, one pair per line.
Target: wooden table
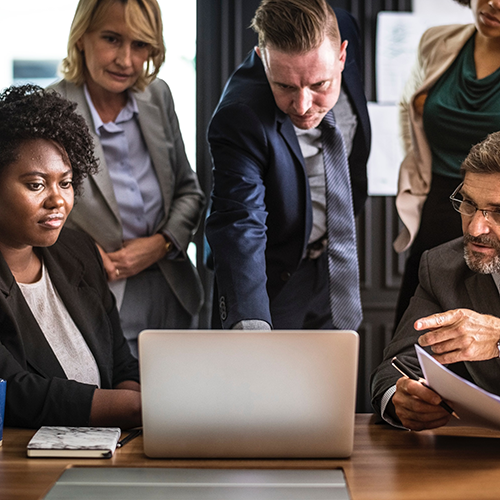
386,464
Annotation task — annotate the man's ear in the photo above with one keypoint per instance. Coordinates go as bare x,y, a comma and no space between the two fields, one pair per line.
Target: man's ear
343,54
257,50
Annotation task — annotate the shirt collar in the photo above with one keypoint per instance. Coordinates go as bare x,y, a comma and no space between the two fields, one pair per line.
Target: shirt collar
127,113
496,278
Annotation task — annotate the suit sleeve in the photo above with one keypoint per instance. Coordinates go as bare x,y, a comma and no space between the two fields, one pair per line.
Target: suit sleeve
424,303
188,201
236,228
33,400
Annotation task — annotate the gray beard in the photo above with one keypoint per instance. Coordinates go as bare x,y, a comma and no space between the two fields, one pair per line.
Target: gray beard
476,261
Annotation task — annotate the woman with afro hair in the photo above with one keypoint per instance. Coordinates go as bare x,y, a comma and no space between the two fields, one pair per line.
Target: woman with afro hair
450,103
62,350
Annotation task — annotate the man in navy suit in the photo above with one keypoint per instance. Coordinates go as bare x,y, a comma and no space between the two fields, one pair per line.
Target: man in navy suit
267,228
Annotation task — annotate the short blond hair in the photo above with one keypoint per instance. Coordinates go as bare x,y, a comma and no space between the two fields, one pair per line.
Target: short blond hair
295,26
143,18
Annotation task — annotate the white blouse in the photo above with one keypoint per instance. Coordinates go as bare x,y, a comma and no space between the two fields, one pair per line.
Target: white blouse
60,330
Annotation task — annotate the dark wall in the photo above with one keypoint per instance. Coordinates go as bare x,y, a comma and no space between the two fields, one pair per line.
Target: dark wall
223,41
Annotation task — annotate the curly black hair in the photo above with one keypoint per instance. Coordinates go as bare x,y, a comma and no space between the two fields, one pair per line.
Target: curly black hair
463,2
29,112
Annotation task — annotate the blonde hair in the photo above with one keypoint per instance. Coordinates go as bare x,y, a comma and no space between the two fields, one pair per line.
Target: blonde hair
143,18
295,26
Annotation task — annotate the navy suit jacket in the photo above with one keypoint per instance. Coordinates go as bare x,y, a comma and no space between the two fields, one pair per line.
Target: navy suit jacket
261,214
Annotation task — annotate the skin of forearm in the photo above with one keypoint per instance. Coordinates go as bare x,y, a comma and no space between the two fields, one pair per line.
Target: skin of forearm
116,407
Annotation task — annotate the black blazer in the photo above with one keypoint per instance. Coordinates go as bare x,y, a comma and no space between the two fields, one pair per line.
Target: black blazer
445,283
261,214
38,392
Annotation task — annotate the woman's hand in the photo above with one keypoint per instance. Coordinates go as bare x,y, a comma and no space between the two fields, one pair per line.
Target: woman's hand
135,256
120,407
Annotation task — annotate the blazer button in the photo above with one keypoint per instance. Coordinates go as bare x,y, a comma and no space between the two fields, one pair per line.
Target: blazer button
222,308
285,276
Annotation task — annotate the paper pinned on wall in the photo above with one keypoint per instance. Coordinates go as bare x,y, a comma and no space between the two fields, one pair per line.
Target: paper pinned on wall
398,36
386,152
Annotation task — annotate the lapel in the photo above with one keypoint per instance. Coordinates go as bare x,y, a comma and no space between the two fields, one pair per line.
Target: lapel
25,340
286,130
101,179
483,293
159,143
67,271
485,299
440,55
283,123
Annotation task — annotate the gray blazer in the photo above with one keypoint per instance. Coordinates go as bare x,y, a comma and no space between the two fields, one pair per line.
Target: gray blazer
96,212
445,283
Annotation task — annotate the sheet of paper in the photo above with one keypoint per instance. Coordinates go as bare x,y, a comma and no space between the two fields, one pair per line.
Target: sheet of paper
386,152
475,406
398,35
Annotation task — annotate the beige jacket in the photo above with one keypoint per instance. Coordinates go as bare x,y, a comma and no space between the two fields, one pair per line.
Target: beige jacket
438,48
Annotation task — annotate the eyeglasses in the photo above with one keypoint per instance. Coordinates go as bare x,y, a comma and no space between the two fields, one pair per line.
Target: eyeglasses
469,209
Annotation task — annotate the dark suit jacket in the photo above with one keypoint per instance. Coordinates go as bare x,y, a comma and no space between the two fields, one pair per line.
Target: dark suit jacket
261,215
38,392
445,283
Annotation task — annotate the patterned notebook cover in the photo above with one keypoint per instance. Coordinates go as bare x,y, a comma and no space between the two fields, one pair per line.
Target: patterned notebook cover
95,442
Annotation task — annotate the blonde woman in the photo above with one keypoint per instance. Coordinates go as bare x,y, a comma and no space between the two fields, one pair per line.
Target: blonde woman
145,203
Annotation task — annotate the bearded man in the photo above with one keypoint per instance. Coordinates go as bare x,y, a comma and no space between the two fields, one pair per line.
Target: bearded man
455,312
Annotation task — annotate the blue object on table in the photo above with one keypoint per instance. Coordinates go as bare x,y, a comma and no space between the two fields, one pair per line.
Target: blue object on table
3,388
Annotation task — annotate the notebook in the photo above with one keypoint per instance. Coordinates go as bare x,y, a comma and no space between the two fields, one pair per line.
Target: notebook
91,442
248,394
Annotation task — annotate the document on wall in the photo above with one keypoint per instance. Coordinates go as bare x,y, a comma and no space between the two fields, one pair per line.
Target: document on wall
398,36
386,152
475,406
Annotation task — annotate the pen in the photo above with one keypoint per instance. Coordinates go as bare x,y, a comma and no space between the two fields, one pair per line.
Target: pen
131,435
406,372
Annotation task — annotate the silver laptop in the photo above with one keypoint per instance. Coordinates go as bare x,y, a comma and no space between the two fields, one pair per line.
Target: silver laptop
248,394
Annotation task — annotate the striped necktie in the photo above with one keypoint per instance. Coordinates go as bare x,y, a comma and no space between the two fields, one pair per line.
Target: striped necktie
345,301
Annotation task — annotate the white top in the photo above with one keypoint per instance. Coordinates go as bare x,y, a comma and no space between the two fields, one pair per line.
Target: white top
60,330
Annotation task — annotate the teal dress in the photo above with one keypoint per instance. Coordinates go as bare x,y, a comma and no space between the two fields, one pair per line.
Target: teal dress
460,111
